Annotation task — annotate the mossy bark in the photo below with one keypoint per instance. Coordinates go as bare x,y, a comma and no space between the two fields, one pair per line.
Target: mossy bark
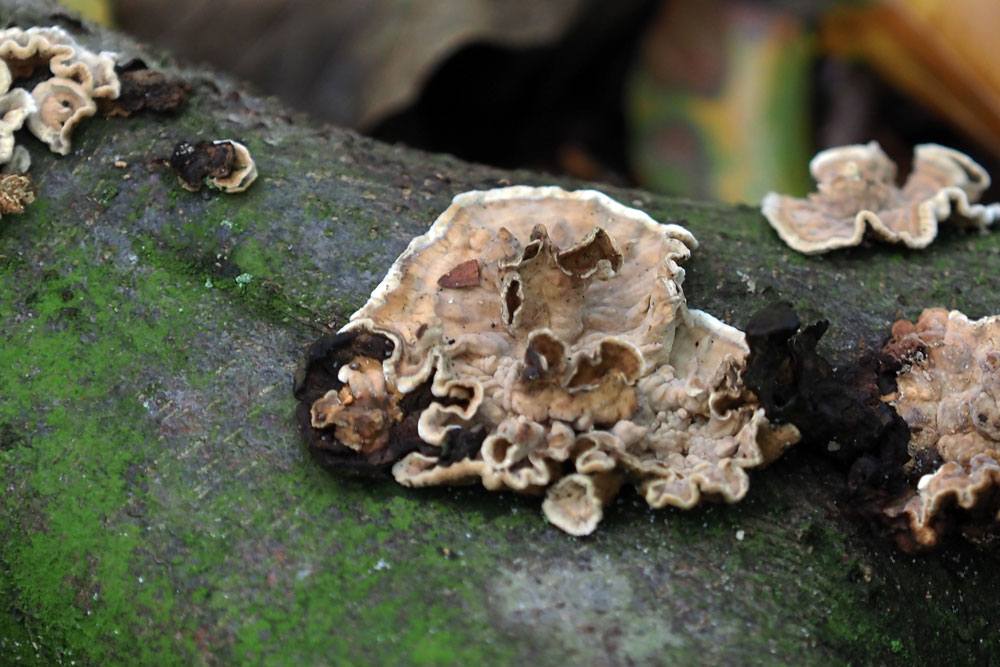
160,508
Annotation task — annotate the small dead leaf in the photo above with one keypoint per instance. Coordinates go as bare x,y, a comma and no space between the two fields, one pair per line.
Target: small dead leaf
465,274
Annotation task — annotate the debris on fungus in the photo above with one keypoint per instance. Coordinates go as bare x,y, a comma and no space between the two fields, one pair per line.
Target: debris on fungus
225,165
948,391
146,89
16,192
857,191
538,340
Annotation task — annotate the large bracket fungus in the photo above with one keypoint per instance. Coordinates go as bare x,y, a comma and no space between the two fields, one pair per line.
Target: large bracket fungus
857,191
539,340
948,391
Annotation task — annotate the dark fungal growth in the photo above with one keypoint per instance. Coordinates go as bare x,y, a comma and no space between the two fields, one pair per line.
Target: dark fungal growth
146,89
205,159
886,417
225,165
838,410
390,426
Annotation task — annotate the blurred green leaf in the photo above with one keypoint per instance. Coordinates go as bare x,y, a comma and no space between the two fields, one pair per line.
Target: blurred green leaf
718,102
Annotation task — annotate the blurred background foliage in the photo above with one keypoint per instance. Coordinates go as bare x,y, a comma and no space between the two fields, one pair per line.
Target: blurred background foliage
719,99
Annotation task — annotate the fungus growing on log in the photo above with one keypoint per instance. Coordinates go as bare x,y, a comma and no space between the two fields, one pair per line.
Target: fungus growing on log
61,104
15,107
857,191
948,388
538,340
225,165
57,103
25,51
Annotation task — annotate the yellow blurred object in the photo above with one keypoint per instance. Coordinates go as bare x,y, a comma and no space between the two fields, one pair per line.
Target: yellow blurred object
718,102
940,52
98,11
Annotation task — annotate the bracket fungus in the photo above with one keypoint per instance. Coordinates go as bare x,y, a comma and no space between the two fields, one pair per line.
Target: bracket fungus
24,51
948,391
15,107
59,102
225,165
857,191
538,340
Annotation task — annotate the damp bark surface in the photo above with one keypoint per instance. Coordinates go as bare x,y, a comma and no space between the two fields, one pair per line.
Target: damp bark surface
159,505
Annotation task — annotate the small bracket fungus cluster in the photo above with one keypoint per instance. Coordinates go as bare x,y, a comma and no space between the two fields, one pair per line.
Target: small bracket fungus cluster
857,191
225,165
56,103
948,391
538,340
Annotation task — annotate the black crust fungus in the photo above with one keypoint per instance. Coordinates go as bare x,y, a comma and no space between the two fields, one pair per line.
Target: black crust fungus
839,411
205,159
145,89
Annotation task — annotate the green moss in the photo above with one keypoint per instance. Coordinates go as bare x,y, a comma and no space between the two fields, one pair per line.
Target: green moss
70,557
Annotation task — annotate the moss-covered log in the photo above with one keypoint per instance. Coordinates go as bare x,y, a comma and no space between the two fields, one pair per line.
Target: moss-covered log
159,506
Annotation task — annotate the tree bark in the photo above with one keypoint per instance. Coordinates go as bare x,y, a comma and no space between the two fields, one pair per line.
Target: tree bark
160,508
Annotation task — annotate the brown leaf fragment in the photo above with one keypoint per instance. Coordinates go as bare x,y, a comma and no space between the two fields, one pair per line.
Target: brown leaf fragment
465,274
16,192
146,89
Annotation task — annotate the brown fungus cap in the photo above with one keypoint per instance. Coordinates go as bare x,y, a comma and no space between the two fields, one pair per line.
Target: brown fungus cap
547,337
24,51
61,104
857,190
948,392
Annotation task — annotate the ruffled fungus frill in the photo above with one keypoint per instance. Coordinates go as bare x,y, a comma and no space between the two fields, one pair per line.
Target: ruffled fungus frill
948,392
15,107
538,340
25,51
59,102
857,191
